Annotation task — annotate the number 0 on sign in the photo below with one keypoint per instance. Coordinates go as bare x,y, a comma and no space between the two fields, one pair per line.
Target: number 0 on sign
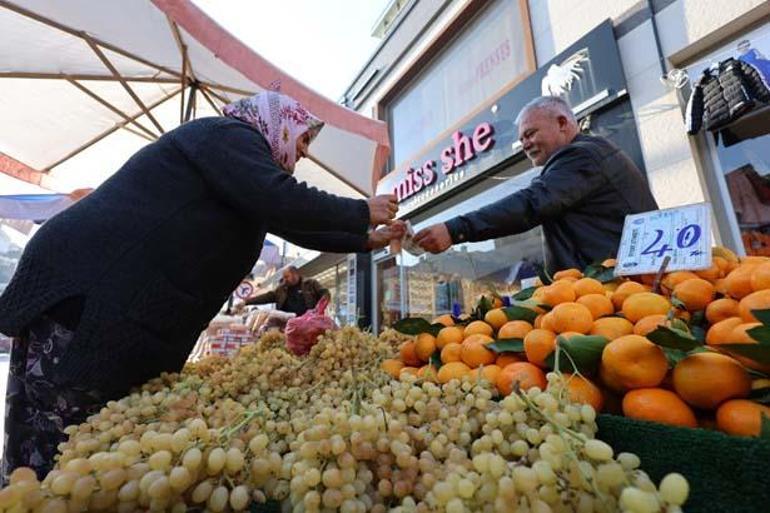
682,233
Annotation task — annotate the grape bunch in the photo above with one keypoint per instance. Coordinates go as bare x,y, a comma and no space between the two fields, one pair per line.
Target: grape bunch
332,432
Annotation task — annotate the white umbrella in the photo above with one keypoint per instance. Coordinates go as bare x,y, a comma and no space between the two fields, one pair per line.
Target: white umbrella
79,75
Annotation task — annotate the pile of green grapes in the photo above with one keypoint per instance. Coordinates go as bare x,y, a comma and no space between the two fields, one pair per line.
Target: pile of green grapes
331,432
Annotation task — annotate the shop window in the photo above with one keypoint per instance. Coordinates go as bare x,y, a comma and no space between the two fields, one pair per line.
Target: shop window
745,165
740,152
388,286
491,53
334,279
433,284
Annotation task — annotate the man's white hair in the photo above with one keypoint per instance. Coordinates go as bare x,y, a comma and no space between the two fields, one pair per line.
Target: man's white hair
551,104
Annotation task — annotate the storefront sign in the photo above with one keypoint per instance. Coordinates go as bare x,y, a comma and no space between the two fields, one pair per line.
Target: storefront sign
462,150
587,74
682,234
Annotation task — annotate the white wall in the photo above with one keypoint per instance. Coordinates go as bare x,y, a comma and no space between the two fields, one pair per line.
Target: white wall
418,48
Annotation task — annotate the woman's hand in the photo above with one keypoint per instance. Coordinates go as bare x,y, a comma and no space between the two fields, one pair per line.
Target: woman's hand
382,209
380,238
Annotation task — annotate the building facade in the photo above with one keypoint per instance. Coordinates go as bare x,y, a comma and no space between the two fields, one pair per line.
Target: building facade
451,75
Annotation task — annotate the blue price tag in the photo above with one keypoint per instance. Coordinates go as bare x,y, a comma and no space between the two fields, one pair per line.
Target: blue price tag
683,234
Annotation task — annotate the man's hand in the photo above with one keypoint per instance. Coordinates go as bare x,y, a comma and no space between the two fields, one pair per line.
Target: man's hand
382,209
380,238
434,239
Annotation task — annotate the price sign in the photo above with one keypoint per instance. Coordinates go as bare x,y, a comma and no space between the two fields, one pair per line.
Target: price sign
682,233
244,290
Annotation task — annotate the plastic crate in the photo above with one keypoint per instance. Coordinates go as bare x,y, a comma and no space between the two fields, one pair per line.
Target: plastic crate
727,474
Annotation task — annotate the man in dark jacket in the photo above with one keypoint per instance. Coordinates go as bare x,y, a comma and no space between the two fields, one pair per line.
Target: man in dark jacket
294,294
581,198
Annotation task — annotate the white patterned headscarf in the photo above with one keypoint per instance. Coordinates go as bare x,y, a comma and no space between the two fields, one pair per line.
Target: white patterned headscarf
280,119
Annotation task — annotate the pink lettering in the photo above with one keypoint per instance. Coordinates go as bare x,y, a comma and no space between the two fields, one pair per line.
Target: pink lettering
429,173
462,147
418,180
482,137
401,191
447,160
410,181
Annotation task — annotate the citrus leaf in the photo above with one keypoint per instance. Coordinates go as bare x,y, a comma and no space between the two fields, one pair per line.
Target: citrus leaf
545,278
584,350
417,325
435,359
699,333
532,304
507,345
764,430
761,396
677,303
520,313
762,316
674,356
485,305
760,353
524,294
435,328
460,322
698,318
673,338
679,324
600,273
761,334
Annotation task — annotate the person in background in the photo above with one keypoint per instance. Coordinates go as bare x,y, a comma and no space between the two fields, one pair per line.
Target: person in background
585,190
115,290
294,294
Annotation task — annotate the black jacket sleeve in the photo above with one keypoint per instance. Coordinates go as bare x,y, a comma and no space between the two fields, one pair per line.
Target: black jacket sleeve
267,297
693,116
571,176
330,241
759,88
236,163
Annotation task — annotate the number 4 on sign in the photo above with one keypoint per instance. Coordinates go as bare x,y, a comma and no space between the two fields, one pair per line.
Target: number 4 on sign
651,248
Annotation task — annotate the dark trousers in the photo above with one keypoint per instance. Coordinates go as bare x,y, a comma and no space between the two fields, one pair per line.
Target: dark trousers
38,406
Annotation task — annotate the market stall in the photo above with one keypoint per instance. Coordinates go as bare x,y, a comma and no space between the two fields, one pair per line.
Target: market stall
590,392
106,78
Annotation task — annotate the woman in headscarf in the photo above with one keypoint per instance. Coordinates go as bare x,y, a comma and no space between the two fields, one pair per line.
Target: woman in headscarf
116,289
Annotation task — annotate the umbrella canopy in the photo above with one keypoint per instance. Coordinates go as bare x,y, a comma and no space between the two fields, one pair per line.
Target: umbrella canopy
80,76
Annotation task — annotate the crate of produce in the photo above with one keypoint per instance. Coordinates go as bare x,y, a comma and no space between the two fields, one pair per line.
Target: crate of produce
726,473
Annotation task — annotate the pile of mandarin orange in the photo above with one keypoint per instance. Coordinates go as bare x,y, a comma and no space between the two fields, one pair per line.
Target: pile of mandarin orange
709,387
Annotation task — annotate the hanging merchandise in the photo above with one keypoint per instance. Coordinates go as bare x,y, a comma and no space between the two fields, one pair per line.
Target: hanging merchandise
754,57
725,92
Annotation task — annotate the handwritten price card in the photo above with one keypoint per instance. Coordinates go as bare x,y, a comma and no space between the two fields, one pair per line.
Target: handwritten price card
682,233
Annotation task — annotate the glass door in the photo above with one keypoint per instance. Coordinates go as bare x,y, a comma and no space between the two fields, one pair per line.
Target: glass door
388,307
